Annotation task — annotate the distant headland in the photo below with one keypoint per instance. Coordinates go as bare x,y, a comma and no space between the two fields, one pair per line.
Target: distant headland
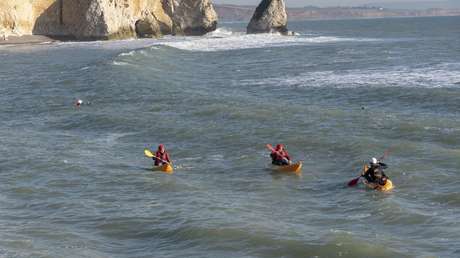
244,13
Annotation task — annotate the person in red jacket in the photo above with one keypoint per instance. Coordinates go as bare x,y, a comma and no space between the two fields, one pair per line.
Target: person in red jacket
280,156
161,156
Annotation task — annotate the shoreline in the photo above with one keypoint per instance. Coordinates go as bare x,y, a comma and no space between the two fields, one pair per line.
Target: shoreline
27,39
43,39
34,39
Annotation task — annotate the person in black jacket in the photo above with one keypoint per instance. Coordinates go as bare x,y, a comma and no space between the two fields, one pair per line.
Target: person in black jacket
375,174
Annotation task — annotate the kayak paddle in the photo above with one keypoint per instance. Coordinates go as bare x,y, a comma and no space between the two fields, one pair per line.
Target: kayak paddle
354,181
385,155
270,147
149,154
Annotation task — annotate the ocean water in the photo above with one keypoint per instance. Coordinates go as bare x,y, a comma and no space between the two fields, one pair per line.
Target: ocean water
75,183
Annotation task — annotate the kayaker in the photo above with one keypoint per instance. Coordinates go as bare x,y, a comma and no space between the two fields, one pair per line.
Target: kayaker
161,156
78,103
375,174
280,156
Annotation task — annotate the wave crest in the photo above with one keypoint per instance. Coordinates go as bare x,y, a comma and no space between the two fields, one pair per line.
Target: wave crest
440,76
223,40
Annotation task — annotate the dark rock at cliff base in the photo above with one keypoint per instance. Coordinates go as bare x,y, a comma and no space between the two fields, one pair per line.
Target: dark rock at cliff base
147,28
269,17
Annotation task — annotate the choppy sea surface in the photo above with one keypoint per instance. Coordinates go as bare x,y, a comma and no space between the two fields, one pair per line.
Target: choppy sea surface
75,183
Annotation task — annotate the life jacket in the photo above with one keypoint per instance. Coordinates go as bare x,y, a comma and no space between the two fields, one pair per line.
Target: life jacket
161,155
279,156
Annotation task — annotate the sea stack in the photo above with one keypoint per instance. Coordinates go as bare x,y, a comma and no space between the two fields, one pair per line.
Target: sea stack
269,17
106,19
194,17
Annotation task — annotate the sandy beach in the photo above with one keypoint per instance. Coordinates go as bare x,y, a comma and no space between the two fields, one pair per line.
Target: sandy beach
26,39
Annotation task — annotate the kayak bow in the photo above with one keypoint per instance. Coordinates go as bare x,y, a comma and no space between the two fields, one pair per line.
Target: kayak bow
166,168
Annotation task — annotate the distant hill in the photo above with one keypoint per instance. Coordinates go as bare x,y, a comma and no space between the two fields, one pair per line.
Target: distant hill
244,13
423,4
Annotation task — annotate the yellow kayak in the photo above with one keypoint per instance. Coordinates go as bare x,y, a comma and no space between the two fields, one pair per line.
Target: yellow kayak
387,187
166,168
293,168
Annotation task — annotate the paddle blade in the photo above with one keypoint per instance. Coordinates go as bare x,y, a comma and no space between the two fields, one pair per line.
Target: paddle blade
148,153
385,155
270,147
353,182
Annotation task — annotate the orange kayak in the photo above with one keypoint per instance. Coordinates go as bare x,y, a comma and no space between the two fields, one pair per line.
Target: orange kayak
293,168
166,168
383,188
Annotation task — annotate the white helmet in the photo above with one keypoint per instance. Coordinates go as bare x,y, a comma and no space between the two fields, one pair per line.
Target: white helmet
374,161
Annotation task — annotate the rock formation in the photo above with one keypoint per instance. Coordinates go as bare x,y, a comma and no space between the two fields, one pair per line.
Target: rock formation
193,17
270,16
106,19
17,17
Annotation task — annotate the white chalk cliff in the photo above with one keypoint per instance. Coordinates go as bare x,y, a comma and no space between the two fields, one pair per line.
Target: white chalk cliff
106,19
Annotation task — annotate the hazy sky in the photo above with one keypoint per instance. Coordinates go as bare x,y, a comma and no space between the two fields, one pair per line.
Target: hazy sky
384,3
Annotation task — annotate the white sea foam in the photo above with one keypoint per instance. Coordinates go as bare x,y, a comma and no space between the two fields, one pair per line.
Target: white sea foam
130,53
441,129
216,157
222,32
440,76
119,63
220,40
224,40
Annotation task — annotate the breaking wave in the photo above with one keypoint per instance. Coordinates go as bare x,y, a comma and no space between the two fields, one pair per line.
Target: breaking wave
224,40
439,76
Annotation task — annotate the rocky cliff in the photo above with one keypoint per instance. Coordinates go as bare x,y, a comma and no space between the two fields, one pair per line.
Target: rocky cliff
106,19
270,16
18,17
192,17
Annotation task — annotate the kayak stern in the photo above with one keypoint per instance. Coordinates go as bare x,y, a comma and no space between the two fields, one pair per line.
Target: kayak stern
387,187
